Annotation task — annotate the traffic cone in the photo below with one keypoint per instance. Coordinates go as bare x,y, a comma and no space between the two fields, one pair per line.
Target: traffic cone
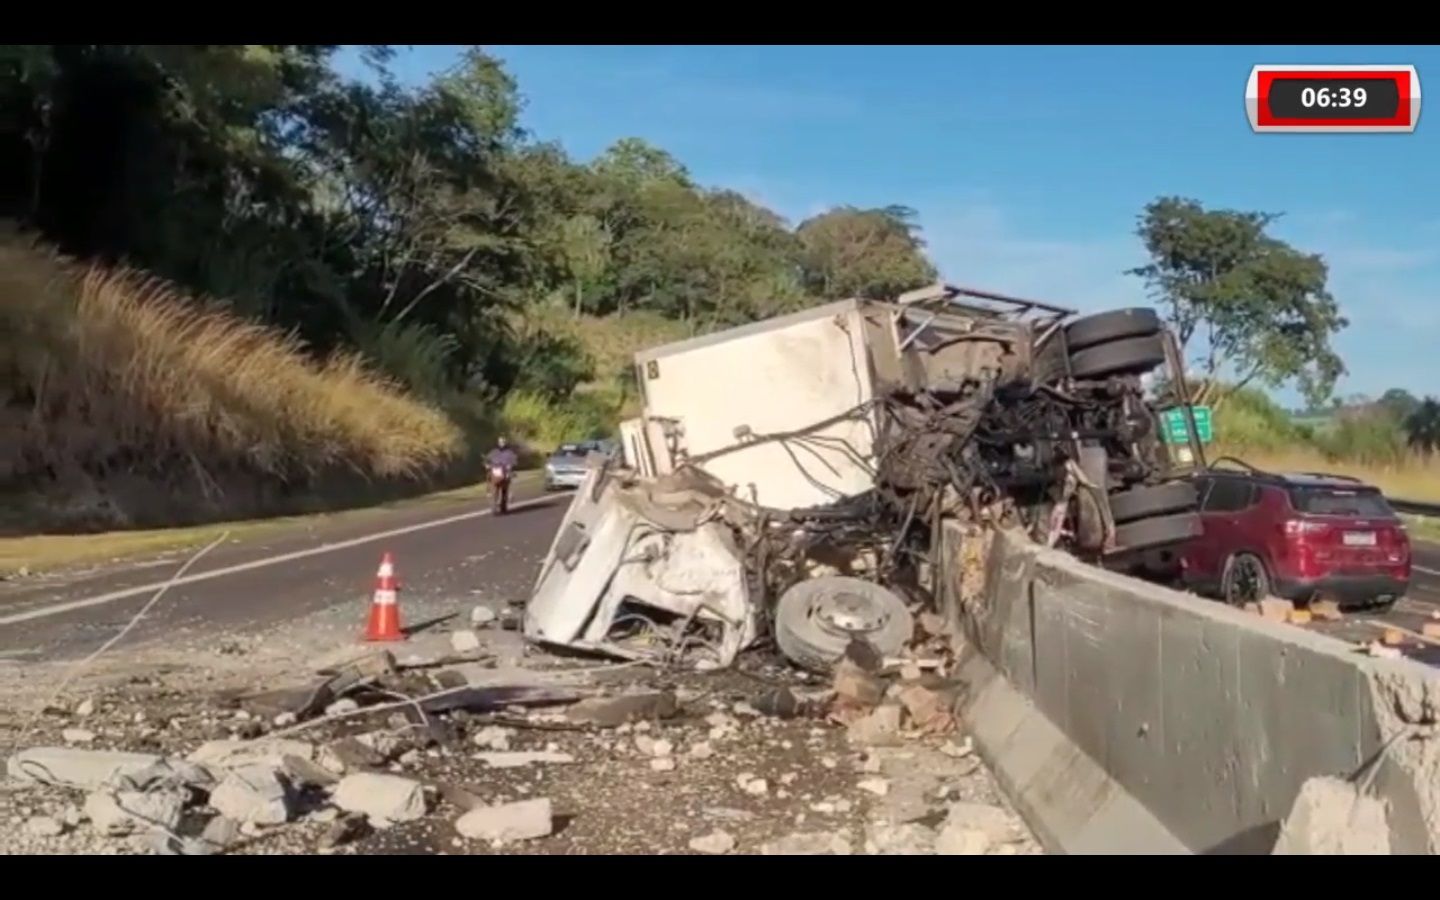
384,622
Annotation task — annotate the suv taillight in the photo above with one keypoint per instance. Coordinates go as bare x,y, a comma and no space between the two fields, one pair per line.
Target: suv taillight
1302,527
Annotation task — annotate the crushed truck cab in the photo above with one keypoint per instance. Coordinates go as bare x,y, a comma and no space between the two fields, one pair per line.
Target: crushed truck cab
833,441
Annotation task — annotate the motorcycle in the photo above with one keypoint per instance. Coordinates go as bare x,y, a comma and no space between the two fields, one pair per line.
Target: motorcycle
499,489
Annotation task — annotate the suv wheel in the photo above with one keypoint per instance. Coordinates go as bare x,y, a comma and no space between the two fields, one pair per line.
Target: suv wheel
1245,580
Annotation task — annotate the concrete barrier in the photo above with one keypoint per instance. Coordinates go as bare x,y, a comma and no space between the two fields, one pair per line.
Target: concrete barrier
1125,717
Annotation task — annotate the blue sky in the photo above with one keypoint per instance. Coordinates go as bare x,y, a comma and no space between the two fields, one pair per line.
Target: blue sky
1028,165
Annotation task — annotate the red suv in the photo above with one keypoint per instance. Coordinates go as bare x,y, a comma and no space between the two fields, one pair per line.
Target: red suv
1301,537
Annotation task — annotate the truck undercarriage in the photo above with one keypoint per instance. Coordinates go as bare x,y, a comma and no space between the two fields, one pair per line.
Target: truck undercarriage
799,494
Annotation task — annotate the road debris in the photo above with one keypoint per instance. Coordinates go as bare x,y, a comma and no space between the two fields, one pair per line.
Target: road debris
71,767
515,758
819,843
256,794
525,820
612,712
379,796
716,843
1331,817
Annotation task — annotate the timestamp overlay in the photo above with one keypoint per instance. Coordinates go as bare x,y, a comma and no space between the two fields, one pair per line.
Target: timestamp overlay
1333,99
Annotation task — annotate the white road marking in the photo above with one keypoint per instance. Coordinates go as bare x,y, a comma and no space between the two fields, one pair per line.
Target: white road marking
1425,570
71,605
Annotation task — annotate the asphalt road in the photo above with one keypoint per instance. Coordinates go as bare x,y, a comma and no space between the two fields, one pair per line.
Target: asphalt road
440,550
443,551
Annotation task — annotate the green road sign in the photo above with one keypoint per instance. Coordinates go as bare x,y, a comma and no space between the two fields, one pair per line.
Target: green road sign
1174,425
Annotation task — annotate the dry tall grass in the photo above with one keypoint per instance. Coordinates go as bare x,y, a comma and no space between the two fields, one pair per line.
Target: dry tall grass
112,373
1414,477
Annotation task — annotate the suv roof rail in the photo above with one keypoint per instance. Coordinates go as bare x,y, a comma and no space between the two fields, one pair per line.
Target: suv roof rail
1332,476
1215,464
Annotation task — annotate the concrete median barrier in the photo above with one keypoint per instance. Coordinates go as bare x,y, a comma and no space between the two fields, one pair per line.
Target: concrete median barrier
1126,717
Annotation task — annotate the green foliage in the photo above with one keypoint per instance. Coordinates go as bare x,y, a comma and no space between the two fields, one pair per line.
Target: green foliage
1261,307
1251,422
541,423
1371,438
1422,426
874,253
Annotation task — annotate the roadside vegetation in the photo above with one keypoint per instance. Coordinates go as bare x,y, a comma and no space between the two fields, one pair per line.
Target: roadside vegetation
292,290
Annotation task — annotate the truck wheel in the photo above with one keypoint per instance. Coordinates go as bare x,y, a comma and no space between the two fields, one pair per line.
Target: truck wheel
1111,326
1147,534
1129,356
815,620
1157,500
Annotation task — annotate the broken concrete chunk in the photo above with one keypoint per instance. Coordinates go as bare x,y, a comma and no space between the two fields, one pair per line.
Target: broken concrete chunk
482,616
956,840
507,822
464,641
85,708
381,796
341,707
515,758
220,832
900,840
44,826
77,736
662,764
994,822
118,813
929,710
716,843
880,728
493,737
611,712
854,686
1330,817
702,750
1276,609
233,754
1326,610
351,754
808,844
255,794
877,786
308,774
72,767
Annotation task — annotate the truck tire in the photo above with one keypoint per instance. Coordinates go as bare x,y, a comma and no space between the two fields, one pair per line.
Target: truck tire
1111,326
1129,356
816,620
1157,500
1147,534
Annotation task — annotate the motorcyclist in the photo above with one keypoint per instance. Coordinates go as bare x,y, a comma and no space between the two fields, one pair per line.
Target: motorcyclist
504,459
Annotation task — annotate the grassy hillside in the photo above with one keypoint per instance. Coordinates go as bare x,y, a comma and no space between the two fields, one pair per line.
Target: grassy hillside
124,403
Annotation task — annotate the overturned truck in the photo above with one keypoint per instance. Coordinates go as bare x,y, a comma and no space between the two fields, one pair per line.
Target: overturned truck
787,478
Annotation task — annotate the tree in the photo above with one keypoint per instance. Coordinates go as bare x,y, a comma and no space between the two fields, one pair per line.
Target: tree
1259,307
872,253
1422,426
1399,402
585,248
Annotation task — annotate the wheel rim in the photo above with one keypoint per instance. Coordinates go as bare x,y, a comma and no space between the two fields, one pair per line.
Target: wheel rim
847,614
1247,582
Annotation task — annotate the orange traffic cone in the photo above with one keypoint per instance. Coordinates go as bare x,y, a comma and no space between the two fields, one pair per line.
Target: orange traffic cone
384,622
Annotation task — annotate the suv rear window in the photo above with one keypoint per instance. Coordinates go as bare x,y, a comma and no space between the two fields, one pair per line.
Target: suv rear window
1340,502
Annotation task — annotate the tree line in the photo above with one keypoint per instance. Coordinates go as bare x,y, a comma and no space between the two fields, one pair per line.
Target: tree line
411,222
